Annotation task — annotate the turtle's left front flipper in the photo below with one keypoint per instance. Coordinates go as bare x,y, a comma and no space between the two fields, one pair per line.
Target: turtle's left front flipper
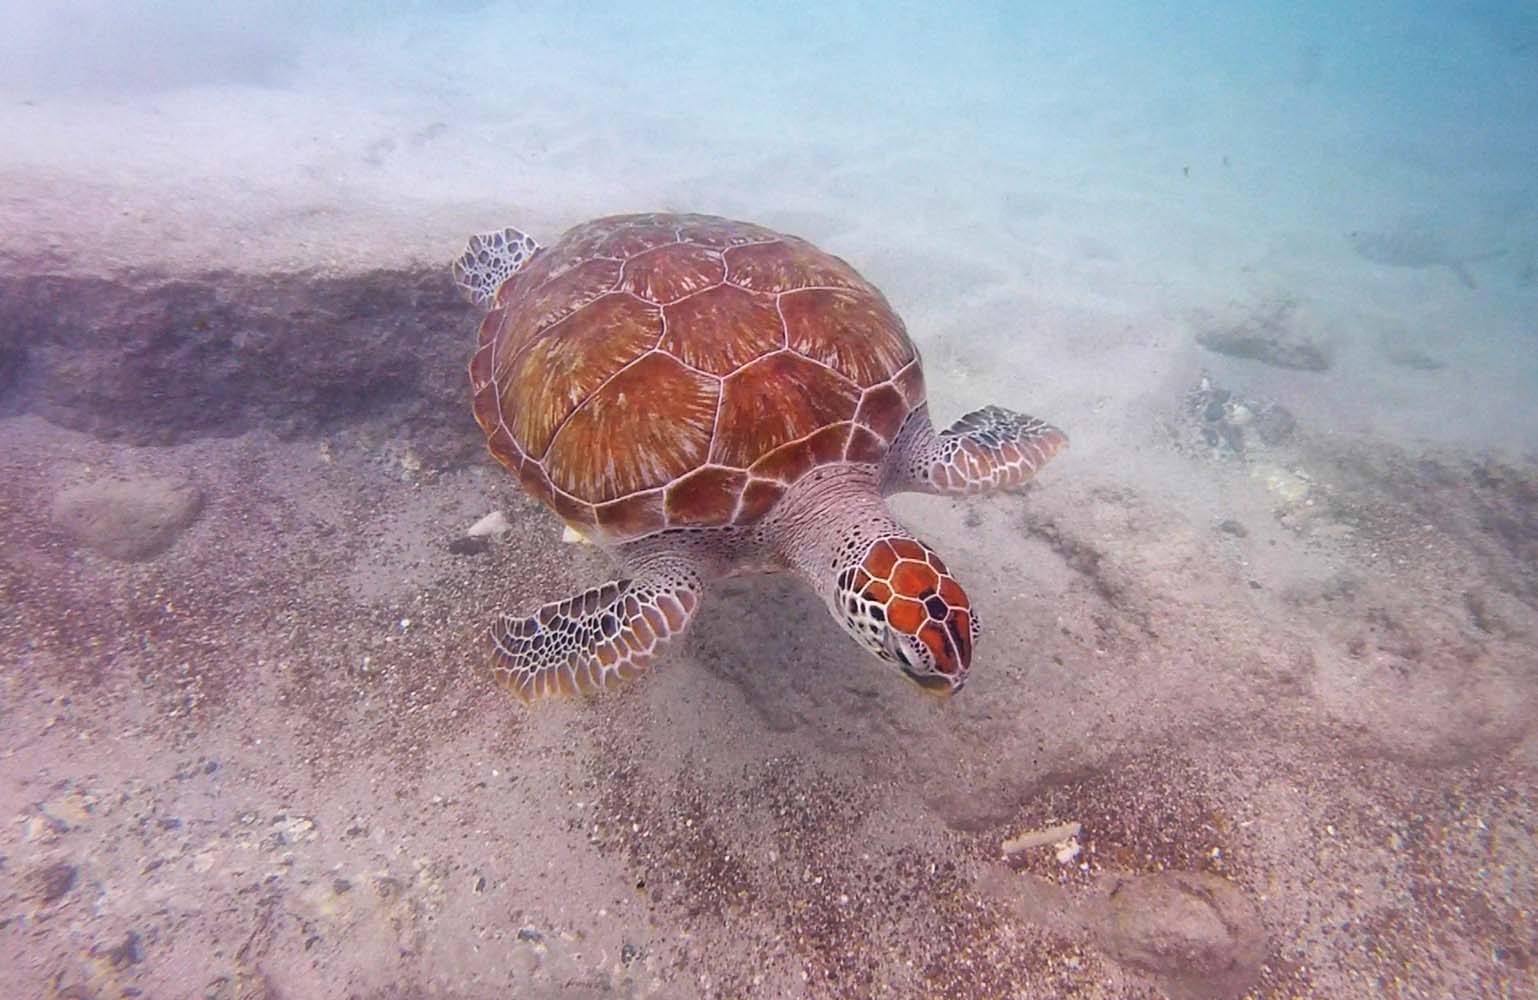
986,450
599,637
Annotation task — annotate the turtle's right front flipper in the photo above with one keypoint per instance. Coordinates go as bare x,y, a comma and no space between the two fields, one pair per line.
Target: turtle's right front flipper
986,450
598,638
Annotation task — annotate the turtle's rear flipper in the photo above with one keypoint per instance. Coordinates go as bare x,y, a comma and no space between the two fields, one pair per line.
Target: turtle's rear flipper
490,259
598,638
986,450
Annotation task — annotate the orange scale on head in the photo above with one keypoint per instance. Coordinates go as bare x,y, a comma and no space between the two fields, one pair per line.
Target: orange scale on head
905,615
951,593
914,579
861,579
934,560
673,611
878,592
933,636
907,548
880,561
960,624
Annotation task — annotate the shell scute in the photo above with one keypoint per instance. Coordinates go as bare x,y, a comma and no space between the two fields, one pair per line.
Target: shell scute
864,447
709,231
559,370
668,273
757,499
633,515
722,329
705,497
775,400
855,334
790,462
883,411
533,312
571,510
910,382
786,265
619,236
584,460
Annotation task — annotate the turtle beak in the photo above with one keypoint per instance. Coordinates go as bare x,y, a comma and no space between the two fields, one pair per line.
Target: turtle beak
934,682
941,685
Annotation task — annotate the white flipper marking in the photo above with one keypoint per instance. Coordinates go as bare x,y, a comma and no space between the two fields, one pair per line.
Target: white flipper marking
489,260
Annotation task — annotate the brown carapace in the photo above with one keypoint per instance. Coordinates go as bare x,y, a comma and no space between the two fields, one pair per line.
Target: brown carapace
699,396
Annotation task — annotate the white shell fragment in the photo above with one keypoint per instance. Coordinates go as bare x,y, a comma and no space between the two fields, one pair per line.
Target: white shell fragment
1055,835
493,524
571,536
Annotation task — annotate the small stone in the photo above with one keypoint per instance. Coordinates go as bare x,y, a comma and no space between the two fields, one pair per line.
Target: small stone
1268,342
628,953
529,934
127,952
1275,424
1411,357
298,829
469,545
1232,527
130,519
493,525
54,881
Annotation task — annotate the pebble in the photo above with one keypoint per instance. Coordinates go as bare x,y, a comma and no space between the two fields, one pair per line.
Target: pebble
55,881
129,519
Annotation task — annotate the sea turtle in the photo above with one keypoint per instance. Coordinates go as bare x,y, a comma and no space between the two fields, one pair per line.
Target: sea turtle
699,396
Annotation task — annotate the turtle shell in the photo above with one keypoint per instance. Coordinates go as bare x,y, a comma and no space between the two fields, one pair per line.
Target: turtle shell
657,371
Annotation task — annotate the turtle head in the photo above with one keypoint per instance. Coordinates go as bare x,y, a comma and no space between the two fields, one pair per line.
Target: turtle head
902,604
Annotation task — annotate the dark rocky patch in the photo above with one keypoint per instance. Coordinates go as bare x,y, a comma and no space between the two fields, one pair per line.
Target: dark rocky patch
53,882
148,358
1267,333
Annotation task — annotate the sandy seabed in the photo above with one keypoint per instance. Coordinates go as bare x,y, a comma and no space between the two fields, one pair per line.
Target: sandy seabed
1284,688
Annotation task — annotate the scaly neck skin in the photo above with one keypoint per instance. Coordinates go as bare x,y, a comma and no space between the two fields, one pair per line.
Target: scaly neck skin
826,521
